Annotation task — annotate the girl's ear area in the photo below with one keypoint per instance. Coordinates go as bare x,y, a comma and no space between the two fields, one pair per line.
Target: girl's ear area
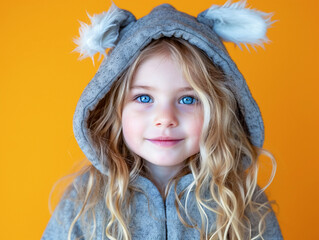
233,22
103,33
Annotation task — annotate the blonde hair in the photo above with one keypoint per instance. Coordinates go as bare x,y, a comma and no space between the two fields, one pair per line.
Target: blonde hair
218,168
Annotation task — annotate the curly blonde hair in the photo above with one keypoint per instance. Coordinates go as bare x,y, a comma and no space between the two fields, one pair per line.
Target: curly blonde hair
218,169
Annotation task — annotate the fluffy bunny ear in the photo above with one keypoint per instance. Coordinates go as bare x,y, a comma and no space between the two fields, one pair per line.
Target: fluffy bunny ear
102,33
237,24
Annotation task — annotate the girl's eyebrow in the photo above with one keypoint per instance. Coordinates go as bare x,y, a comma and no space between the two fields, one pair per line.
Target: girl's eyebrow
151,88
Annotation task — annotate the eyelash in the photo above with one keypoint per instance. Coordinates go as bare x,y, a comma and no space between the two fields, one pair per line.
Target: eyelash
194,102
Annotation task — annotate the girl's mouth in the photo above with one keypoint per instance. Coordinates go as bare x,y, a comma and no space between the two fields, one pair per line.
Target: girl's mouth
165,143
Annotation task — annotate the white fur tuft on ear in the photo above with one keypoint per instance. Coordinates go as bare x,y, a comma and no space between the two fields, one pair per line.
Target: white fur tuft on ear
237,24
101,34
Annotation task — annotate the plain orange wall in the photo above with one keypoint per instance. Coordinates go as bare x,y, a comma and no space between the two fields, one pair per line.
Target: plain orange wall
41,82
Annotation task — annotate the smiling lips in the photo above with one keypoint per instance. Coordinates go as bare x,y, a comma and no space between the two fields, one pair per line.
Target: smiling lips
165,141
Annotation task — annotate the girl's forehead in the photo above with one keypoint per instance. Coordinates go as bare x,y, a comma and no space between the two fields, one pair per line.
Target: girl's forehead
154,61
158,70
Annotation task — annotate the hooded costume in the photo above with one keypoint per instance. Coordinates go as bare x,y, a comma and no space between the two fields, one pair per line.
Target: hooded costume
119,31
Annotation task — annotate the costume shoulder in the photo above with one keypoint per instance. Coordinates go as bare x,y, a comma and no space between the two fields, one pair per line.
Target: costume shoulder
272,230
63,216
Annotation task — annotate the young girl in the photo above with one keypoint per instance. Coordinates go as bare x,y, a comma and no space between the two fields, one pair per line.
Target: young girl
171,130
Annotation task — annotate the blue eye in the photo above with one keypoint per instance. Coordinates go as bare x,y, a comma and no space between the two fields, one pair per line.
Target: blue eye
184,100
143,99
188,100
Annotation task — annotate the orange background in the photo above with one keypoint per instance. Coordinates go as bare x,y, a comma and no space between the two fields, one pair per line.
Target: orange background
41,82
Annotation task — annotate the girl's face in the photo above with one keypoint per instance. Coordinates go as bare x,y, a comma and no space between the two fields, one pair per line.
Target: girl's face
162,118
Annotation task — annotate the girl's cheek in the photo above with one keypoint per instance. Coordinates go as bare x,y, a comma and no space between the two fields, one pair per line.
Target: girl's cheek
198,120
135,115
193,110
132,122
135,106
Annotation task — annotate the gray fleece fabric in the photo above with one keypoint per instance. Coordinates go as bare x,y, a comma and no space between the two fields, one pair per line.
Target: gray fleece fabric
160,221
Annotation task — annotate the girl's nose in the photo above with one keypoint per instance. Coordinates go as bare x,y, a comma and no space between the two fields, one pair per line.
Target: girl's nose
166,117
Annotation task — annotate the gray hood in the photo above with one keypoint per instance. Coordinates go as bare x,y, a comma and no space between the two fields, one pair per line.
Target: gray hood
133,35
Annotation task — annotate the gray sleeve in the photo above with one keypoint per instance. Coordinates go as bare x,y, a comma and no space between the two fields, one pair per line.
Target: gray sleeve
61,219
272,227
272,231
